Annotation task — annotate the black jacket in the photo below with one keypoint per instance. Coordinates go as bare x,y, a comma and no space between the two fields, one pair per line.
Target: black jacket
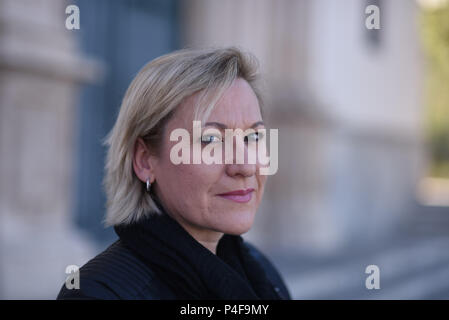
118,273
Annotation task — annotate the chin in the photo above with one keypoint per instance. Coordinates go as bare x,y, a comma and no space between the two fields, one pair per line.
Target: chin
239,224
238,231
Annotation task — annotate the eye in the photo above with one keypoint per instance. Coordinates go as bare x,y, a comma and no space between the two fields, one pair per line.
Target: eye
210,138
255,136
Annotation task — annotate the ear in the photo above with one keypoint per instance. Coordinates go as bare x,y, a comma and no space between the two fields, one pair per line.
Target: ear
143,161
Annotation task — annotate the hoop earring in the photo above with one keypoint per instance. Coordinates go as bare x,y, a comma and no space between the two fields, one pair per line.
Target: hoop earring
148,185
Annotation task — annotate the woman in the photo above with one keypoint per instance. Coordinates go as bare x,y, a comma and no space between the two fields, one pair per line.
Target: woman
179,224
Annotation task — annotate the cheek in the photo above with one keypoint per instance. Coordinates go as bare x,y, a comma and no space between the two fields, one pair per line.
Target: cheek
261,180
192,192
197,176
194,181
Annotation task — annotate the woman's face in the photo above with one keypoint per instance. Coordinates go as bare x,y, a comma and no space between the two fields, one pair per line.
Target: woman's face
192,193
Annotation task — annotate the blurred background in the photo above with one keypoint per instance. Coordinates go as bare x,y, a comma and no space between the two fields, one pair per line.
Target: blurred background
363,119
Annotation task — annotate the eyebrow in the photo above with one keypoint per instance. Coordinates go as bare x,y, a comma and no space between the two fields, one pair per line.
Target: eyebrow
223,126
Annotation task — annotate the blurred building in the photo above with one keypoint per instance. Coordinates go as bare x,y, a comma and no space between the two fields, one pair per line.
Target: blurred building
348,105
347,102
41,68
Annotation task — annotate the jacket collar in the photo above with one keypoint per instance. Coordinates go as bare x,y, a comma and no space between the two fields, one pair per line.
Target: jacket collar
190,269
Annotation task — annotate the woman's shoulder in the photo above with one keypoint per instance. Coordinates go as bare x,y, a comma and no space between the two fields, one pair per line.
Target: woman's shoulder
116,273
271,271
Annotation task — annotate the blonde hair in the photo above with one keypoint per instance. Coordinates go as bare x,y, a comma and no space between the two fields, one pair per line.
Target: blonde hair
150,101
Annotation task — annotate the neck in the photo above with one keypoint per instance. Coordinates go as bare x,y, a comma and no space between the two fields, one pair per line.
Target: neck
210,245
207,238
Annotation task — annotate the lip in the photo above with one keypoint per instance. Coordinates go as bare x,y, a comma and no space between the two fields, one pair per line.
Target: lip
240,196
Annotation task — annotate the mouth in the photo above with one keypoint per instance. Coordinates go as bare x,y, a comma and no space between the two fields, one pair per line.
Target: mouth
240,196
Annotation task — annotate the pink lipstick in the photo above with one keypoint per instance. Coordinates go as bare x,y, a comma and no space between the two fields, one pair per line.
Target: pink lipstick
240,196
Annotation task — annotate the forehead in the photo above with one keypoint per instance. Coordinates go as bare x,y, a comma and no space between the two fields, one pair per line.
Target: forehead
238,107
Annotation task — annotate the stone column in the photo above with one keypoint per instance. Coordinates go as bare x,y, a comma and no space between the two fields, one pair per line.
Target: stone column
41,69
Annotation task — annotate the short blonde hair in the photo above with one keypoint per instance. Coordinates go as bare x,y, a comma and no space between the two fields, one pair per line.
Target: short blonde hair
150,101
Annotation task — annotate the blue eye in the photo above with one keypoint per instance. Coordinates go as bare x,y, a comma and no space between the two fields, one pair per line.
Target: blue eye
210,138
255,136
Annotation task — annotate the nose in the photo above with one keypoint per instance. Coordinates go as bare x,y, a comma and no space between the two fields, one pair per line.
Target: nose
238,167
245,170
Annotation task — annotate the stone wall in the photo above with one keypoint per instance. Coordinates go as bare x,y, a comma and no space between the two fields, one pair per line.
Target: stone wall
41,69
